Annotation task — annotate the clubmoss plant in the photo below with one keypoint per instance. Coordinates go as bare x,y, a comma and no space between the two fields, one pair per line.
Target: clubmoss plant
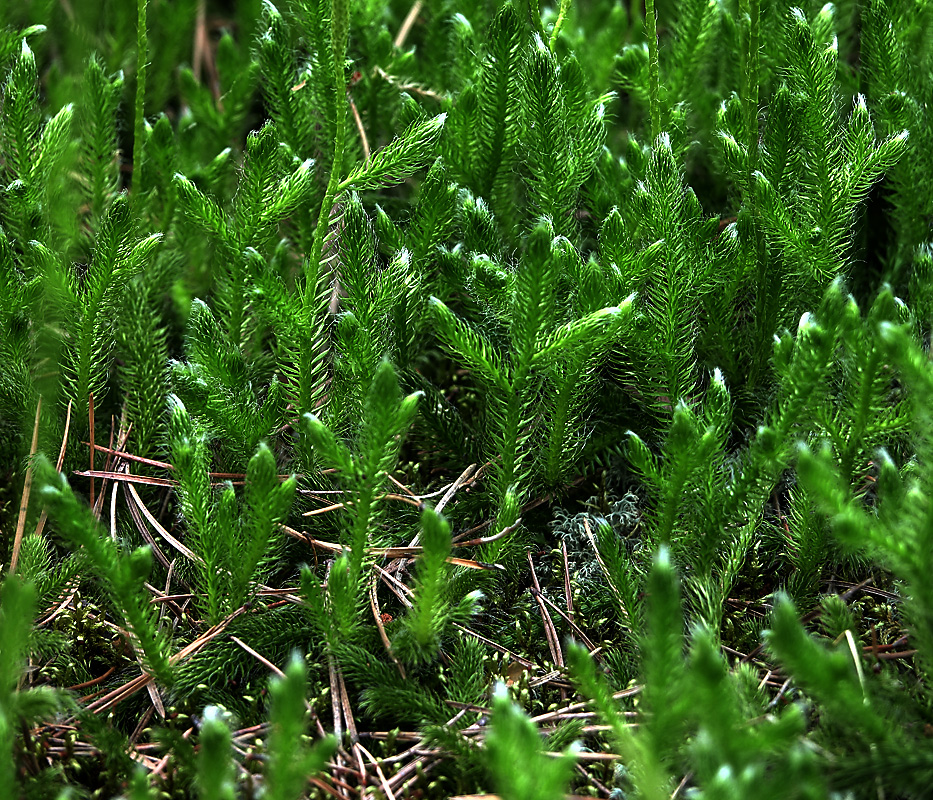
404,351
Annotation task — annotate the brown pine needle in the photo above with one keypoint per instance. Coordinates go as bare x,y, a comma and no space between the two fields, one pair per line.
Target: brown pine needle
90,419
407,24
27,488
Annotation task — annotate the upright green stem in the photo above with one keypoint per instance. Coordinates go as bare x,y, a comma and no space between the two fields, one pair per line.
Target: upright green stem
142,58
765,281
751,87
339,30
510,438
559,23
360,535
654,88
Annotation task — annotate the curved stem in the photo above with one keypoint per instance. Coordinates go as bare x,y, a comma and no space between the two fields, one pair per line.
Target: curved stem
139,126
751,93
559,23
654,89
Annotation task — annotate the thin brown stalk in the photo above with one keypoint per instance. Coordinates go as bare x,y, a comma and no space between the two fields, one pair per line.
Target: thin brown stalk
486,539
402,499
92,682
604,790
27,488
138,731
585,756
469,476
573,626
125,477
364,775
325,787
65,603
141,527
113,511
343,789
468,707
496,646
334,692
315,512
113,463
406,772
399,589
681,785
377,615
167,601
553,678
260,658
900,654
382,778
200,46
530,505
461,480
131,457
99,505
265,662
402,486
409,86
347,710
170,572
550,715
130,688
185,551
90,419
385,552
549,628
401,736
568,592
40,525
360,129
153,690
407,23
470,563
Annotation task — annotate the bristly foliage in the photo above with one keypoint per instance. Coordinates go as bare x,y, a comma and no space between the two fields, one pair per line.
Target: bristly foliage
18,707
143,350
100,157
563,135
325,305
363,471
230,548
35,151
291,761
86,304
432,606
513,739
122,574
531,310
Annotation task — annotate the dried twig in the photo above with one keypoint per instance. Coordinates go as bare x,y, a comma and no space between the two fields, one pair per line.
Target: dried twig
407,23
377,615
27,488
549,629
360,129
90,419
185,551
128,689
40,525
